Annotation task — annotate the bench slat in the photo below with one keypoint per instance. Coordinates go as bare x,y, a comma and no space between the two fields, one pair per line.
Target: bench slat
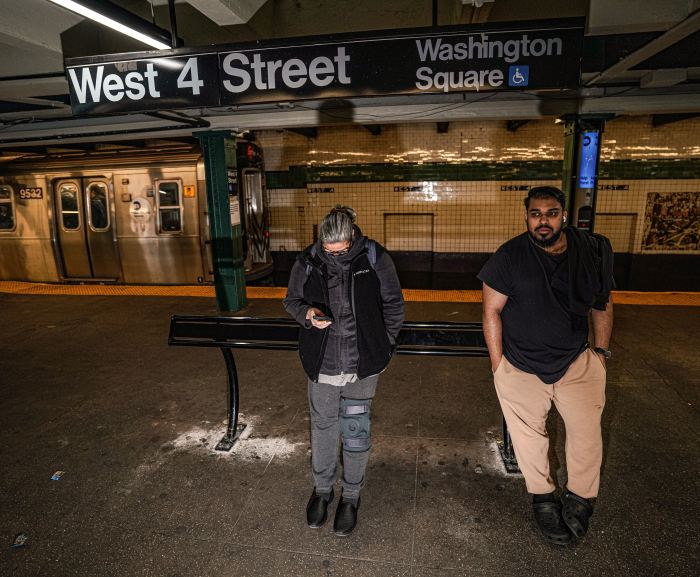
415,338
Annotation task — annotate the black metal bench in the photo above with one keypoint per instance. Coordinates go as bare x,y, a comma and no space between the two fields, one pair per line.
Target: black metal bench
227,333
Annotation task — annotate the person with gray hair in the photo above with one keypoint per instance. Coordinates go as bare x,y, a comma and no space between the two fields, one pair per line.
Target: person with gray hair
344,292
337,226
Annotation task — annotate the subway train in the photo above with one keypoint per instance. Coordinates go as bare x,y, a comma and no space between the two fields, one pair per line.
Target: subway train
134,215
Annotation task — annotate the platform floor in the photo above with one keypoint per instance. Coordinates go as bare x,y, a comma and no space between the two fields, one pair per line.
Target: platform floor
90,387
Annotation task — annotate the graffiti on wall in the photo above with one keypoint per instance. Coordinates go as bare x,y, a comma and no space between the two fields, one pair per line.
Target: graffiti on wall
672,221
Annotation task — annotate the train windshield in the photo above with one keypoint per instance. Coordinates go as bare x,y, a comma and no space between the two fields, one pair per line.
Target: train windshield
253,184
7,217
169,207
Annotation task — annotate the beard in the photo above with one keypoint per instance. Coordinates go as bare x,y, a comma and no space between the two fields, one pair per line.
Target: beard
545,242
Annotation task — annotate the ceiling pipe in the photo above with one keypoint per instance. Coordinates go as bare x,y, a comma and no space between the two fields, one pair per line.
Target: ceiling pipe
193,122
681,30
174,40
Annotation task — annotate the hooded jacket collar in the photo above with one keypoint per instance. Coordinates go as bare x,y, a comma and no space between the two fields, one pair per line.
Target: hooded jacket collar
359,244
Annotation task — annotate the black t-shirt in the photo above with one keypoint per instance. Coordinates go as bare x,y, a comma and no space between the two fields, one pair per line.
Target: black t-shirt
540,335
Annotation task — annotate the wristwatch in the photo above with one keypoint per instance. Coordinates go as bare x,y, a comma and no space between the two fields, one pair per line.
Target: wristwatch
601,351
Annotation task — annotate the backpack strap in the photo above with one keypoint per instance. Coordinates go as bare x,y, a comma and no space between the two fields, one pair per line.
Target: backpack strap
312,252
372,252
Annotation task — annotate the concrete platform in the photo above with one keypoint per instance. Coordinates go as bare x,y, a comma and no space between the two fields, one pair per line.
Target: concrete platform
90,387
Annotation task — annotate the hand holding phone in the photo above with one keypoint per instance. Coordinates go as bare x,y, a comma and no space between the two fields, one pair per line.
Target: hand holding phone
318,318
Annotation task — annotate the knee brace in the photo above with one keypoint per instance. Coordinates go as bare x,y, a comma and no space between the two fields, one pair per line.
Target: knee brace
355,424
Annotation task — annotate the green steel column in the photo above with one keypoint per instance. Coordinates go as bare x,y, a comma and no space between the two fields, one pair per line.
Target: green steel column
568,176
219,149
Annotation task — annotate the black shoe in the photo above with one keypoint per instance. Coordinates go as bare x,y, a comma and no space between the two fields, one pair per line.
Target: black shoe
345,518
550,523
317,509
576,512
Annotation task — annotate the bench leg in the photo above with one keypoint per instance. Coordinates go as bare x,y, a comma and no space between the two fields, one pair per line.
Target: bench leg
507,452
233,430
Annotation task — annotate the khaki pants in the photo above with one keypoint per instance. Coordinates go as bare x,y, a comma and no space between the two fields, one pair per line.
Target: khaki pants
579,397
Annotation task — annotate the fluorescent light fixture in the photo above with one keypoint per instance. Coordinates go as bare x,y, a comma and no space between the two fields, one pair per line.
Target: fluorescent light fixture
79,8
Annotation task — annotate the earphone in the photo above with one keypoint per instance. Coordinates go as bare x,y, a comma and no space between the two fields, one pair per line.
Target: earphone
564,219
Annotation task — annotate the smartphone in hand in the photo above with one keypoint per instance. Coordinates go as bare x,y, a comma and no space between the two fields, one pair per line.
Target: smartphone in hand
322,318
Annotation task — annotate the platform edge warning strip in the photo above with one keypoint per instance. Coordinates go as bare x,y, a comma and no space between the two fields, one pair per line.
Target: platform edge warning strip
410,295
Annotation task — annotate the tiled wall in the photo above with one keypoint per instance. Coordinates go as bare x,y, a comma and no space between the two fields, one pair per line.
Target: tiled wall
464,142
468,184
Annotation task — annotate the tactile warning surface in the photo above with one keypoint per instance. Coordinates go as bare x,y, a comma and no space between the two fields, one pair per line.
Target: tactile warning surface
411,295
109,290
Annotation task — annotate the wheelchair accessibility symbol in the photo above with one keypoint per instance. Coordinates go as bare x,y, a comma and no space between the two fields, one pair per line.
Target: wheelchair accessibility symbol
519,75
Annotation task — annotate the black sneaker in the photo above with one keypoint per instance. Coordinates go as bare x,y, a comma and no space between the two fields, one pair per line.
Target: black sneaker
576,512
345,518
317,509
550,523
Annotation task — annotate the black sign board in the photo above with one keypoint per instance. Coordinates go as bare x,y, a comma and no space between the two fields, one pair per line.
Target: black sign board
144,84
30,192
534,56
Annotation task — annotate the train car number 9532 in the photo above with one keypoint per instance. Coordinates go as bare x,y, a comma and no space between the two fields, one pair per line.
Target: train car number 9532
26,193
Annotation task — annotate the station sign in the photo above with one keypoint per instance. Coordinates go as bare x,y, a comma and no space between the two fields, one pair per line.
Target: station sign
144,84
530,56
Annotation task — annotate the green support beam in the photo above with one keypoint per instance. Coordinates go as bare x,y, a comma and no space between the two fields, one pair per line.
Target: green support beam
219,150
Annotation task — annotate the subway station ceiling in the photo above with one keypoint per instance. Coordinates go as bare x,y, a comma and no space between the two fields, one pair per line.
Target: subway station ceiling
639,57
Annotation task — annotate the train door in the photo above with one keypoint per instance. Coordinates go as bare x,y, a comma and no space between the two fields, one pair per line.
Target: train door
85,226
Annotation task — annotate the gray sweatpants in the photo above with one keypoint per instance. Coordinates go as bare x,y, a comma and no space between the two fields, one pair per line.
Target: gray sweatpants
324,412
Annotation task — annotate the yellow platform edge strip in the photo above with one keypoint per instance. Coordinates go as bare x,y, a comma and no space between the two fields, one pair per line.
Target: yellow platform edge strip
410,295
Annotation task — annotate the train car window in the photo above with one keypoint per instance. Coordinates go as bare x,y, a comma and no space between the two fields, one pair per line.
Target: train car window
169,207
70,215
7,208
98,205
253,184
170,220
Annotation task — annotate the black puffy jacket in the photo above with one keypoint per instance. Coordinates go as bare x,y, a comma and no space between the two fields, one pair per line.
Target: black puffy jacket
364,300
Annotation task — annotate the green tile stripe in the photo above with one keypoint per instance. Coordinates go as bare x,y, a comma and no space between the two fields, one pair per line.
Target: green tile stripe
300,176
649,169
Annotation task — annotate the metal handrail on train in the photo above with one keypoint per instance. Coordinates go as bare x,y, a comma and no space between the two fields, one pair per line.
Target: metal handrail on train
227,333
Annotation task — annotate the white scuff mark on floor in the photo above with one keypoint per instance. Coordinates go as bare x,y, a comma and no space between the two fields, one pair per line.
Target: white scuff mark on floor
248,447
142,472
251,446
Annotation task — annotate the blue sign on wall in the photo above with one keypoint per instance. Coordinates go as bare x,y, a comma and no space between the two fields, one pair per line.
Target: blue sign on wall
589,160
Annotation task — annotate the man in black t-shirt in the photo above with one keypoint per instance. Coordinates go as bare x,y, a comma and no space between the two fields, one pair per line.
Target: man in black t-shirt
538,290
